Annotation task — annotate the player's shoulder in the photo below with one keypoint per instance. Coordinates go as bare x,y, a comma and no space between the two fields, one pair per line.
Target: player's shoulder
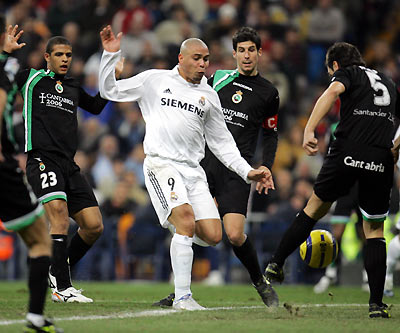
265,85
221,75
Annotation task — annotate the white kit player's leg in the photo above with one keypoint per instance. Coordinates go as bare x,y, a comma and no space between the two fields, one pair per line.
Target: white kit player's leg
181,259
393,255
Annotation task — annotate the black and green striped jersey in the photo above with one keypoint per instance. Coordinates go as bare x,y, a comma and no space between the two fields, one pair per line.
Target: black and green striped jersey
249,103
50,110
9,68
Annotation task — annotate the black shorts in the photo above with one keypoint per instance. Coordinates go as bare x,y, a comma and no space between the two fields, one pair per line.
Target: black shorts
18,204
348,163
345,206
54,176
230,190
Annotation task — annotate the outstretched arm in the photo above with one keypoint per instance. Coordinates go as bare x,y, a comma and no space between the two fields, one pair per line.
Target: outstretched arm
3,100
321,108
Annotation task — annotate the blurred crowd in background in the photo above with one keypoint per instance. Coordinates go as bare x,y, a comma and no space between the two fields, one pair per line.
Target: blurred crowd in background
295,36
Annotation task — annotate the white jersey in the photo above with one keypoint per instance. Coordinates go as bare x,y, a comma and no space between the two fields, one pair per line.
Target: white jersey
179,115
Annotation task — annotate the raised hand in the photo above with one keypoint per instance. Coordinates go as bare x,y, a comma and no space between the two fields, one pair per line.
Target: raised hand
11,39
109,41
265,183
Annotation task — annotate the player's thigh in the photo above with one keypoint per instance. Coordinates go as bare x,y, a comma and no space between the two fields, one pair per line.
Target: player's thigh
374,194
18,204
345,206
335,179
80,196
166,189
46,177
203,204
36,237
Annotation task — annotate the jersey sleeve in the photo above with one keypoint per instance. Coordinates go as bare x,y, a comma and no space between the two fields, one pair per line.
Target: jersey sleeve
21,78
342,76
93,104
4,81
127,90
221,142
397,110
270,131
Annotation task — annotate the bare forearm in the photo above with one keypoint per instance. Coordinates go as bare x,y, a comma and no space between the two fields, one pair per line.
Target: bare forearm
321,108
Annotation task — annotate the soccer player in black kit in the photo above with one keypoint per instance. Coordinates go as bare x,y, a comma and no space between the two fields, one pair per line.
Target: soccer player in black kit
249,103
51,99
363,152
20,210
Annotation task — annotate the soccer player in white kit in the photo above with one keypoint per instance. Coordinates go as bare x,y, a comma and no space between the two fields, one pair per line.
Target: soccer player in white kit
181,111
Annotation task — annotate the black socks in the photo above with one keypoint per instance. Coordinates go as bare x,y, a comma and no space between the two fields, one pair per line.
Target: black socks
37,283
294,236
375,265
77,249
59,264
248,256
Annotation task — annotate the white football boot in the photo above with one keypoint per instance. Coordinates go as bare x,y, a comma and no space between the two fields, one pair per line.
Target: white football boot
52,282
187,302
70,295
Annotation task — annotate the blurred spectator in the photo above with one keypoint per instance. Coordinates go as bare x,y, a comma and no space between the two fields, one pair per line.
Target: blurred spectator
95,14
90,132
327,25
129,127
134,163
176,28
138,37
290,149
103,168
62,12
131,10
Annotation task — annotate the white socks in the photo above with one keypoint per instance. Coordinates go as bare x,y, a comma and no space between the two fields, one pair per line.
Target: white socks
35,319
182,259
393,254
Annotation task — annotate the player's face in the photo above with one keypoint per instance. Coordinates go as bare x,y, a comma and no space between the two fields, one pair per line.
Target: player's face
246,55
60,59
193,63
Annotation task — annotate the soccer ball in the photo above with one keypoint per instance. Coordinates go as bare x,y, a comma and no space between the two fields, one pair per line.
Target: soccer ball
319,250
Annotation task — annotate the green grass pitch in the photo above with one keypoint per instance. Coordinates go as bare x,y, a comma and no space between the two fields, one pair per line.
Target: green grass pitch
126,307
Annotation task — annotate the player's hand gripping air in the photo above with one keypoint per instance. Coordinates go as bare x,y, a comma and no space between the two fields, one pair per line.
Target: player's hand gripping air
11,39
110,42
267,182
310,143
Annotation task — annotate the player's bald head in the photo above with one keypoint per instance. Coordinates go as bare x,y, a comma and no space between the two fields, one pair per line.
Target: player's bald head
193,59
190,44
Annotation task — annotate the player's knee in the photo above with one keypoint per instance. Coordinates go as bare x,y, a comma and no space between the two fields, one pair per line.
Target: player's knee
39,247
95,230
187,226
236,237
213,239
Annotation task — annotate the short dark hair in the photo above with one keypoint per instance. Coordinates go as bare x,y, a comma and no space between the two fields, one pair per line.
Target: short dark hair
344,54
245,34
57,40
2,23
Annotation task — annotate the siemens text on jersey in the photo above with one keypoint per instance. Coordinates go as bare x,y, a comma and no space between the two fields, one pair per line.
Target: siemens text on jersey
182,105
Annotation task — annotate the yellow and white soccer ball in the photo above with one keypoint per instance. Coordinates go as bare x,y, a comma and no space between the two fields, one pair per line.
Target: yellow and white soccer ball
319,250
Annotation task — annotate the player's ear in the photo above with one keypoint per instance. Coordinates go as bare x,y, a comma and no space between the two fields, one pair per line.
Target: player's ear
259,52
234,54
335,65
46,56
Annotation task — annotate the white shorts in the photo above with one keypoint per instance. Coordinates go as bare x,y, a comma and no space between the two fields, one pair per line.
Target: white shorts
171,184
